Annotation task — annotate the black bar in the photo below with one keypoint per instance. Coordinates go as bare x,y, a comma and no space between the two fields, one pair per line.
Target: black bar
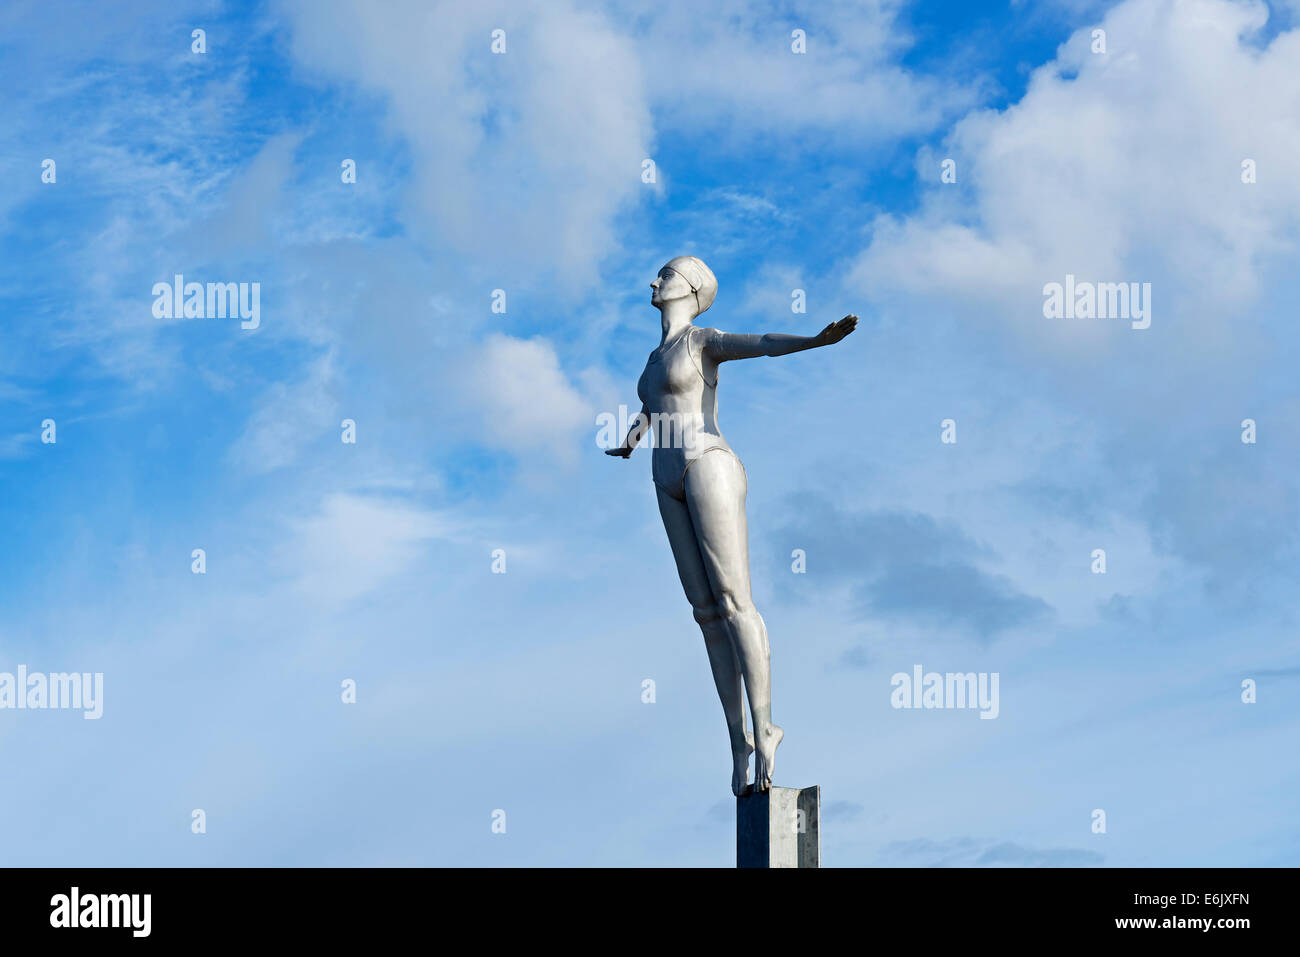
237,905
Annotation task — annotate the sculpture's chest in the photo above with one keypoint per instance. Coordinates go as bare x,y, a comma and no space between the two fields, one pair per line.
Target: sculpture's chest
669,372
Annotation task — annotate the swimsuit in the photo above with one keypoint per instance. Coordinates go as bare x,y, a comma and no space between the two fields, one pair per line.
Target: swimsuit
683,407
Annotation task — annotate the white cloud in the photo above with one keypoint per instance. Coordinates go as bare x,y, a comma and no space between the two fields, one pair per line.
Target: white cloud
521,158
525,399
727,70
288,418
355,543
1122,166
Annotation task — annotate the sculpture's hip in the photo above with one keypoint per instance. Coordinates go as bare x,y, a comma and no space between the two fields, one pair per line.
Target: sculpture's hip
670,465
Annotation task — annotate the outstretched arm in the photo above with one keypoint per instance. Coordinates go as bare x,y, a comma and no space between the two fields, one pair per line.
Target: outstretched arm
724,346
634,433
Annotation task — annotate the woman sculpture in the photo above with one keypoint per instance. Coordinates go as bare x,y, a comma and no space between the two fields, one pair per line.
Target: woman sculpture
702,496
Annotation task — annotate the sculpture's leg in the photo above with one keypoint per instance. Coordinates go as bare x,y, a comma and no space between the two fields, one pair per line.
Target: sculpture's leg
717,637
715,498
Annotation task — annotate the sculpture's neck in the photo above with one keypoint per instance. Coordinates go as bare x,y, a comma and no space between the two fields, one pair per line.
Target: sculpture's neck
676,316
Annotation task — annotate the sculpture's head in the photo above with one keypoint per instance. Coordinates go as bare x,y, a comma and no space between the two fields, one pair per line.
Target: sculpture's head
685,277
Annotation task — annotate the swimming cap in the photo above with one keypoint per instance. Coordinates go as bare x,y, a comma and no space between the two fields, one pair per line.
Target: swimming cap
702,281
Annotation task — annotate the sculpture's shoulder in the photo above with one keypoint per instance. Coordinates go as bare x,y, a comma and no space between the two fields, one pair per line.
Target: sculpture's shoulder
703,336
706,363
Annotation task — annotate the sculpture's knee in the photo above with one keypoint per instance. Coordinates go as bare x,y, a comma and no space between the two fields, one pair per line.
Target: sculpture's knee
732,606
706,613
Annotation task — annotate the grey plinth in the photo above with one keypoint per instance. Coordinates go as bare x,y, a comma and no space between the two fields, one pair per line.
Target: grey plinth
779,828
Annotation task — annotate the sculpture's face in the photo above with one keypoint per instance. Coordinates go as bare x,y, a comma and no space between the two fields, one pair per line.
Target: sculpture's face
668,286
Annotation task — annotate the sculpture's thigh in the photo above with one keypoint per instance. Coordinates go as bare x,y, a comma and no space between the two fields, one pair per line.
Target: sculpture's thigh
715,497
686,552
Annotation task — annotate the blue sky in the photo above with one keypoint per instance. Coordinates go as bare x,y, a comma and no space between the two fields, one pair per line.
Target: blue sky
476,430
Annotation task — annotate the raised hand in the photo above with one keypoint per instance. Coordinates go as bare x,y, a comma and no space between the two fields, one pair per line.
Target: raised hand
838,330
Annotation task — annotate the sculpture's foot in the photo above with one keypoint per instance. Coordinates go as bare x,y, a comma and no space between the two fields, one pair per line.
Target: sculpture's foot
740,761
765,760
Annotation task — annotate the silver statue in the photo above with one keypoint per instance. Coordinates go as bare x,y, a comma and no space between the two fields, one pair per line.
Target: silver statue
702,496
